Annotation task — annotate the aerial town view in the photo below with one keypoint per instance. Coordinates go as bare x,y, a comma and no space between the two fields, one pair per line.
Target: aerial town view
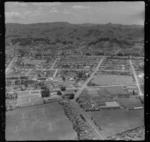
73,74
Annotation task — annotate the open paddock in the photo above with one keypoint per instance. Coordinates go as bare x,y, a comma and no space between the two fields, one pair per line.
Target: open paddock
42,122
116,121
106,80
130,103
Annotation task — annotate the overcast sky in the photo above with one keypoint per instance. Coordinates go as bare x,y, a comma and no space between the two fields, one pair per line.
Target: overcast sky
75,12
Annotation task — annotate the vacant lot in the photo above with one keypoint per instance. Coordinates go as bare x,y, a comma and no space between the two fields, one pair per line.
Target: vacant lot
117,121
43,122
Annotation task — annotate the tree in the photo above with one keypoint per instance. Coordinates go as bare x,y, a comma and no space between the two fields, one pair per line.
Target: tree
63,88
71,96
45,92
59,93
63,78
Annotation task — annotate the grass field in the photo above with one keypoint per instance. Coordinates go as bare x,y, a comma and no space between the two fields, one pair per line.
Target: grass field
43,122
104,80
29,100
116,121
130,102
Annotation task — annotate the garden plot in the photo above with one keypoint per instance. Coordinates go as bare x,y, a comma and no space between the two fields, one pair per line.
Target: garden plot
41,122
116,121
92,99
115,64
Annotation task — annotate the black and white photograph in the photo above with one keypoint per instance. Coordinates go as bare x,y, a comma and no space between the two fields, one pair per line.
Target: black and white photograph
74,70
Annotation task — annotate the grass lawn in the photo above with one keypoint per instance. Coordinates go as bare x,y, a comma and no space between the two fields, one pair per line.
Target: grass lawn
116,121
43,122
104,80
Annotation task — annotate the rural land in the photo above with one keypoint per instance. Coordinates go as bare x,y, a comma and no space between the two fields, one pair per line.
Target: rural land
74,81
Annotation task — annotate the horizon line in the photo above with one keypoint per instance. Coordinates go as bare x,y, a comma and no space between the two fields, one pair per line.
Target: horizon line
76,23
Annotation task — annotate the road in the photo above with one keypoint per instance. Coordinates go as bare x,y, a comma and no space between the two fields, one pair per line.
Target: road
136,78
107,86
88,80
52,67
10,64
54,75
77,107
89,121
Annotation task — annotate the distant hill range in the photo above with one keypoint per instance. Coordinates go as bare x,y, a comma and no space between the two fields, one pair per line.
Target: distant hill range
64,32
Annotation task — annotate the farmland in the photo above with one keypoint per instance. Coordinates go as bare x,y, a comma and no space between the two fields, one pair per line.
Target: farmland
39,122
122,120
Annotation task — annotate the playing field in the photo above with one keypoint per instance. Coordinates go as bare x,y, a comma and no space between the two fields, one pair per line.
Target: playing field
42,122
104,80
117,121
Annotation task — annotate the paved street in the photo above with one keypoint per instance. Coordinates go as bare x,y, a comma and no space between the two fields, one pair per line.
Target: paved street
136,79
88,80
76,105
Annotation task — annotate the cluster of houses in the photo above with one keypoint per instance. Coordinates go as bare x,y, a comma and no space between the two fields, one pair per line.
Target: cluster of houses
76,63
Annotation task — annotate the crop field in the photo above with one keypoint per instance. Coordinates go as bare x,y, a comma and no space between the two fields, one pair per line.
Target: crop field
41,122
105,80
117,121
115,64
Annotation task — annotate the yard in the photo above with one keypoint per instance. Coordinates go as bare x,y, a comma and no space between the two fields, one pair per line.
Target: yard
43,122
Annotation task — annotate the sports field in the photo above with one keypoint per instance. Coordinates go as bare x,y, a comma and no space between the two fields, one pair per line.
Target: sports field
117,121
104,80
42,122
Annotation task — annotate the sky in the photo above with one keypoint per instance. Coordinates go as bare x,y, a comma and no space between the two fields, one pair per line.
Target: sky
126,13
